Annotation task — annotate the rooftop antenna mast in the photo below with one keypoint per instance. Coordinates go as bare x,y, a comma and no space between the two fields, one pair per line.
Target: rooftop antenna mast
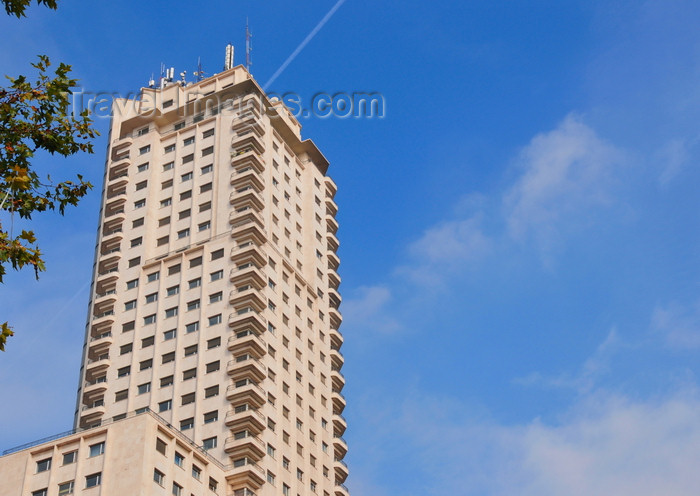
200,72
248,46
228,61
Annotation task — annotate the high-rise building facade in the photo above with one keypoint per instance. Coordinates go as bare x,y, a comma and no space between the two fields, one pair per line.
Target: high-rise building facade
214,301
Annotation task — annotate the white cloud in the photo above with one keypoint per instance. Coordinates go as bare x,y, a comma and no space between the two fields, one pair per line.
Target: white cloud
678,324
605,444
366,308
566,173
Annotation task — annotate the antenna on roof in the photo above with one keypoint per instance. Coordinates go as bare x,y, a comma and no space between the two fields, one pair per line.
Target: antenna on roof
199,73
228,61
248,46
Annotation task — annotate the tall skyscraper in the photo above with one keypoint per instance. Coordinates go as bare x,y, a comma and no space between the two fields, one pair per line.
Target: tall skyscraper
214,301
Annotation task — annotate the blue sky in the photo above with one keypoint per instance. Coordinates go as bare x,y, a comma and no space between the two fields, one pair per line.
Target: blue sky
519,233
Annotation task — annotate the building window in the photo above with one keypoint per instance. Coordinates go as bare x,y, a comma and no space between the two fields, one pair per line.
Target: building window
179,459
286,490
186,195
166,381
149,319
177,489
175,269
132,284
43,465
139,204
209,443
219,274
196,472
208,133
130,305
215,319
183,234
214,343
144,388
169,357
66,488
187,398
164,406
173,290
192,327
211,417
144,149
179,125
188,158
205,187
154,276
187,424
166,203
121,395
213,484
168,166
97,449
212,391
168,335
207,151
213,366
146,364
138,222
158,477
41,492
207,169
188,141
128,326
186,177
204,226
134,261
205,206
192,305
93,480
191,350
195,283
69,458
170,312
216,297
189,374
150,298
141,185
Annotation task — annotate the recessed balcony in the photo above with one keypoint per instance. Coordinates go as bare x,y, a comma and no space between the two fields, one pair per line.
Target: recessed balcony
332,242
247,275
331,224
339,424
246,391
338,379
341,490
336,338
244,446
241,198
248,253
248,159
243,216
337,359
331,188
333,279
340,447
249,368
248,418
121,143
248,121
334,298
249,231
118,180
247,177
100,344
341,471
333,260
246,341
246,142
249,297
331,208
92,412
99,364
245,472
336,318
338,402
93,389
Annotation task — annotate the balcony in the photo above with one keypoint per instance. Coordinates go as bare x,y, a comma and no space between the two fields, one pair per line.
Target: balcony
333,261
332,242
245,472
331,224
336,338
244,446
331,208
333,279
338,379
248,419
337,359
94,389
247,177
248,253
242,197
250,231
121,143
98,364
250,368
109,261
249,297
336,318
93,412
243,492
118,180
245,215
100,344
248,275
248,159
338,402
334,298
340,446
339,424
248,121
331,188
246,142
247,341
104,318
247,318
341,490
341,471
246,391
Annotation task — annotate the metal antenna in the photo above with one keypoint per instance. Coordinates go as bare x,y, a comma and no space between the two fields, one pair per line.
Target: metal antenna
199,73
248,46
228,61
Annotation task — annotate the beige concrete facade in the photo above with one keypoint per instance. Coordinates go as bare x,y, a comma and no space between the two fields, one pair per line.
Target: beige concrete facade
139,455
215,298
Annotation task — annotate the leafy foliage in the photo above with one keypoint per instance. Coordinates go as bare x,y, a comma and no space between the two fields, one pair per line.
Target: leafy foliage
17,7
35,116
